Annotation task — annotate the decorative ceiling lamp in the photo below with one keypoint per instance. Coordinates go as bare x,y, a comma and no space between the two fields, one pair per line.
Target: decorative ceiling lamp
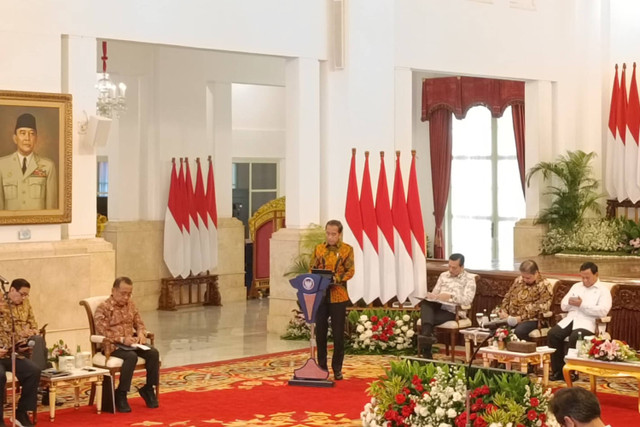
111,97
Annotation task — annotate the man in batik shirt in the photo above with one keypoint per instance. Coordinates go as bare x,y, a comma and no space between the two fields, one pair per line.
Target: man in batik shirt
337,256
527,298
119,320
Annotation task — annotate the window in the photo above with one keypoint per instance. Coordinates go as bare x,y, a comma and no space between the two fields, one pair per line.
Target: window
485,199
254,184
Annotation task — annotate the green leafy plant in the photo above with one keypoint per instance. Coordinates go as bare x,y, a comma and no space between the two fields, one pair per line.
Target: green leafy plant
591,235
630,239
573,189
311,237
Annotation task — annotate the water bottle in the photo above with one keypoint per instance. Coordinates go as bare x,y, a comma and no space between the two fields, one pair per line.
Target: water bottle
485,317
579,344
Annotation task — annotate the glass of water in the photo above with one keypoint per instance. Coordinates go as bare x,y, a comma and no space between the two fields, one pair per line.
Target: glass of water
480,320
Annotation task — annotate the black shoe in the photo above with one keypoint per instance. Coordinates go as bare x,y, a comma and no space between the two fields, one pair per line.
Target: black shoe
427,339
22,419
45,399
337,376
149,396
121,402
556,376
574,377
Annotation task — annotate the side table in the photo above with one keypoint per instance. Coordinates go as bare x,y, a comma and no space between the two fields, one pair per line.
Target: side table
76,378
541,356
475,334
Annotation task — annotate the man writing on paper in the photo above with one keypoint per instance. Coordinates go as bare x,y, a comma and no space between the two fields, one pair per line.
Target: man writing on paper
455,286
119,320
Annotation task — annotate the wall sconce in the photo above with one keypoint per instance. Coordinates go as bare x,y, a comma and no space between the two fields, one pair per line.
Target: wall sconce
111,97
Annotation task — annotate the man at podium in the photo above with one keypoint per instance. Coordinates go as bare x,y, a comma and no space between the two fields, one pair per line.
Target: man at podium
336,256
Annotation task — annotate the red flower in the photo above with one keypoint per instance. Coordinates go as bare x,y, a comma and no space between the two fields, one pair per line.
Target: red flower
385,319
479,422
542,417
374,328
534,402
374,318
406,390
406,411
390,415
400,398
532,415
491,408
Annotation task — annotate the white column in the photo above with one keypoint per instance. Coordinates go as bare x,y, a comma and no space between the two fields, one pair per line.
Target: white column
219,131
538,137
302,142
403,129
79,78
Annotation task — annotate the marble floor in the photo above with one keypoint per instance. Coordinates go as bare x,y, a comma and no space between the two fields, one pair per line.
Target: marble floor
210,334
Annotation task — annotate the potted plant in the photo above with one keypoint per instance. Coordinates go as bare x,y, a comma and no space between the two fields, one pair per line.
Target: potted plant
573,189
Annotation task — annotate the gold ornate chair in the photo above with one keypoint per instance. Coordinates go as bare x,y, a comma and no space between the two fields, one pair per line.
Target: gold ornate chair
268,219
104,360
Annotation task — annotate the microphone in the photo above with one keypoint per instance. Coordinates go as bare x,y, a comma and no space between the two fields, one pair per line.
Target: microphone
493,326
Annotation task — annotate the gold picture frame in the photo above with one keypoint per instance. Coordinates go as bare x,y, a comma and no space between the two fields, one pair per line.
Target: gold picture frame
35,189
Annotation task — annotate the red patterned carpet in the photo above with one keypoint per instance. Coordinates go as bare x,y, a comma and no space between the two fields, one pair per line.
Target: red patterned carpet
254,392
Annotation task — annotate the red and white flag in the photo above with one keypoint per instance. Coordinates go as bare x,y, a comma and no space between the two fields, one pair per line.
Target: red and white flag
404,263
354,221
386,239
184,221
173,251
418,239
194,232
610,170
203,220
631,147
371,264
621,124
212,213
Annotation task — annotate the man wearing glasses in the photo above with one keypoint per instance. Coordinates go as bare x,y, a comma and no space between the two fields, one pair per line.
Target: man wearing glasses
119,320
27,338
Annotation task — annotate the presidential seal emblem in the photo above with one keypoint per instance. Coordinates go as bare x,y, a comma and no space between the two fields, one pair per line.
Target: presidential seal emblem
307,283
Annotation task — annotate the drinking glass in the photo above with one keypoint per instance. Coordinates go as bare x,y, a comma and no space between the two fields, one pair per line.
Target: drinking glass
479,318
493,316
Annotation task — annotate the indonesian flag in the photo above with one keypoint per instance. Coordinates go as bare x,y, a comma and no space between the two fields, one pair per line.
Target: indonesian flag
418,239
212,214
621,125
194,232
386,239
631,148
184,222
404,263
354,221
371,265
203,220
610,170
173,251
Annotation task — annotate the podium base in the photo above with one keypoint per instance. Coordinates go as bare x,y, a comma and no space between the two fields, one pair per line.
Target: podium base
310,383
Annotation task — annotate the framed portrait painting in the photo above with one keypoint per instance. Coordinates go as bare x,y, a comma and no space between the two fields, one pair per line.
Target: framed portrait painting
35,157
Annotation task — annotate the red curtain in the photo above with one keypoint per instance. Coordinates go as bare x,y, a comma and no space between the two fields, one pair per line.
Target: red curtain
440,125
444,97
517,113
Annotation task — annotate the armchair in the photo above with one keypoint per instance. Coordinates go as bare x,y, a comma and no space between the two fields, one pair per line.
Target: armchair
452,328
102,359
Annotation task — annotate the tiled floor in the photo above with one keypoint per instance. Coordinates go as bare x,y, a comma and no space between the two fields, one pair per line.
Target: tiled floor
208,334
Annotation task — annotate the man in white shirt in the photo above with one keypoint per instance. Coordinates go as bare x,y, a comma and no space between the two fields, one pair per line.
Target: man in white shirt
576,407
585,302
455,286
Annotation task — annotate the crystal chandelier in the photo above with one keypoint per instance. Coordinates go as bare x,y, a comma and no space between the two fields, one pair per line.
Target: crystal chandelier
111,97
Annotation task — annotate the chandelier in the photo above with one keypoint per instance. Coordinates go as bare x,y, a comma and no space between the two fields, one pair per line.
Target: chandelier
111,97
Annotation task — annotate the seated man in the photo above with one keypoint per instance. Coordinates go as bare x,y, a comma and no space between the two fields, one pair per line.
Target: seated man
526,299
455,286
119,320
27,372
585,302
576,407
25,322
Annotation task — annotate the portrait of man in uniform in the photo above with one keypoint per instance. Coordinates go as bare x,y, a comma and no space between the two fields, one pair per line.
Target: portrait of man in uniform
28,180
35,158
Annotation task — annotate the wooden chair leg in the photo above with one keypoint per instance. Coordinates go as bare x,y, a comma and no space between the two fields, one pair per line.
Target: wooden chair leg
453,337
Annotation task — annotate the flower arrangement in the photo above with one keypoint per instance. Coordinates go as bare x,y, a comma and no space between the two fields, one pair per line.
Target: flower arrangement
382,332
434,395
297,328
609,350
58,349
